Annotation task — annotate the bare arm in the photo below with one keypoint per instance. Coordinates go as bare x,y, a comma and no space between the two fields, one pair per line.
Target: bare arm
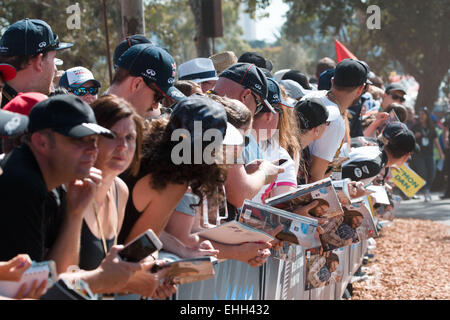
156,212
66,249
318,168
240,185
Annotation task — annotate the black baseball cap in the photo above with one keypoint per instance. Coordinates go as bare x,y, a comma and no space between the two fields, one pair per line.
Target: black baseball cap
67,115
256,59
298,77
394,87
325,79
351,73
12,124
251,77
312,113
126,44
29,37
211,114
154,65
401,137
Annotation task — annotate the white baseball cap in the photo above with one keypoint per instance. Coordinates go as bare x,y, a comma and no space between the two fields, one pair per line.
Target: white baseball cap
76,77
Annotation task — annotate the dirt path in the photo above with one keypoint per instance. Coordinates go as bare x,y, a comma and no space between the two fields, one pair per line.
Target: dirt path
412,261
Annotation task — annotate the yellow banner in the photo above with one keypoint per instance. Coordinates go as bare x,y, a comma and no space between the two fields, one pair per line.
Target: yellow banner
407,180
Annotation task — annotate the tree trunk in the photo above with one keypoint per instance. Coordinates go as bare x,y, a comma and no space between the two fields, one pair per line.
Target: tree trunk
132,17
202,44
428,91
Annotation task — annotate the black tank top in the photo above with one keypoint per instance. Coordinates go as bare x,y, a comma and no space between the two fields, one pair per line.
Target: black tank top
91,248
131,213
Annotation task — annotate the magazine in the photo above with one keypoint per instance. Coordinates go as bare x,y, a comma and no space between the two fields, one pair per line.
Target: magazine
322,270
355,225
341,188
190,270
296,229
234,232
380,194
322,191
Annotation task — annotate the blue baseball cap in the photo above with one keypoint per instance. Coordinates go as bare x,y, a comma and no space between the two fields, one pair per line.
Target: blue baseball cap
29,37
126,44
274,95
154,65
251,77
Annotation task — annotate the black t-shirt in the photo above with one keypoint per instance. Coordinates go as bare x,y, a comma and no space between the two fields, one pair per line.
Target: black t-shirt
31,215
426,141
364,163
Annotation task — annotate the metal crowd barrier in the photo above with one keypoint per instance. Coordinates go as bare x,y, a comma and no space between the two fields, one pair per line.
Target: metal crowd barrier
275,280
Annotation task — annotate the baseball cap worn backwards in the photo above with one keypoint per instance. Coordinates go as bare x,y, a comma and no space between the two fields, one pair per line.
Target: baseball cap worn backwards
67,115
401,137
351,73
251,77
210,113
29,37
154,65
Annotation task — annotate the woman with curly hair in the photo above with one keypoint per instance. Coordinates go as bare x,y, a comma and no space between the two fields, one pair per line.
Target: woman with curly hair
164,176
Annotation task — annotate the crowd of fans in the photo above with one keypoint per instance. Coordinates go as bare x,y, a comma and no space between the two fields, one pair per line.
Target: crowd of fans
83,174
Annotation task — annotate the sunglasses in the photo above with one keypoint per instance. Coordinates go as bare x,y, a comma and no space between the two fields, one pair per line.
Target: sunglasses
158,97
396,97
259,104
82,91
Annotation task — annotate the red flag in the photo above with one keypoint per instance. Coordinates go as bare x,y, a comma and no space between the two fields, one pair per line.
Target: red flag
342,52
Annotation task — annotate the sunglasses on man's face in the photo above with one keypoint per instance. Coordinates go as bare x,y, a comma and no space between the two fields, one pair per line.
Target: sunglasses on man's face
82,91
397,97
158,97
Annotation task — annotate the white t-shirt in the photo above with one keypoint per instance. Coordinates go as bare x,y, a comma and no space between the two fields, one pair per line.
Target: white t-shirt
287,178
326,147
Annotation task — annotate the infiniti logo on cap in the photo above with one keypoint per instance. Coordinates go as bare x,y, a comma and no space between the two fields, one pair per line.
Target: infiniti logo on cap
258,86
42,44
151,72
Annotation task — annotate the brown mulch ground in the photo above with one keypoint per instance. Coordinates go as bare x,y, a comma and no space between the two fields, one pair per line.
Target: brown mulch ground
412,261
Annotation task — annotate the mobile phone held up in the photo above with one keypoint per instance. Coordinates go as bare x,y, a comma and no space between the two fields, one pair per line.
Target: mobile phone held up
141,247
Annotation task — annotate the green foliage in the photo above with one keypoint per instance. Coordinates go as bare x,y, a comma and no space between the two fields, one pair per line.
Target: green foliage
413,33
89,48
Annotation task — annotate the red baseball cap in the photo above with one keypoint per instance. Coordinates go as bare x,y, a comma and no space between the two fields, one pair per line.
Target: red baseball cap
23,102
8,72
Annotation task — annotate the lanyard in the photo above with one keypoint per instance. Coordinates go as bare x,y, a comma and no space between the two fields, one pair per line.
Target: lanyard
100,229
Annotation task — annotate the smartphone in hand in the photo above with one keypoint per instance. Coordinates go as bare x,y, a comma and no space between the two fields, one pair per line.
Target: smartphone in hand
141,247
